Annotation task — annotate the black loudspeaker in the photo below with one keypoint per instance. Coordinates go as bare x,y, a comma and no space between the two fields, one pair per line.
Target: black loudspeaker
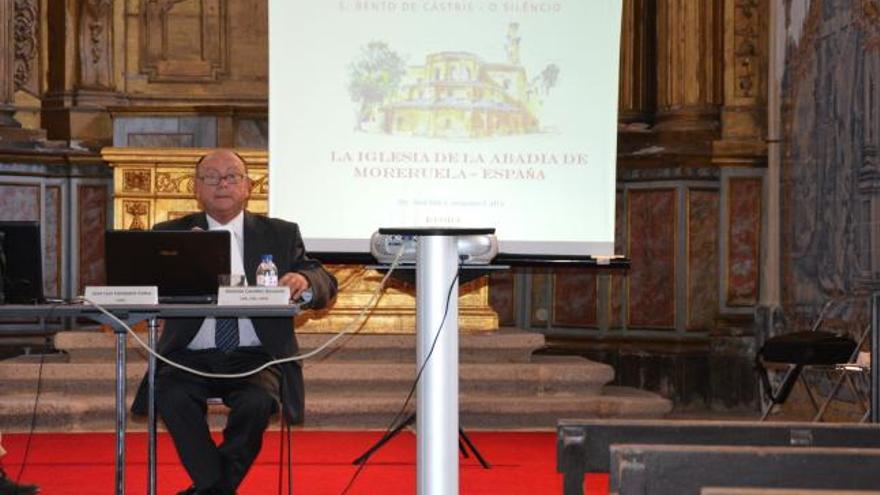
22,262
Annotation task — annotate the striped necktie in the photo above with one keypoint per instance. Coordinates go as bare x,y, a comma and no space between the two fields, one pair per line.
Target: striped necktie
226,334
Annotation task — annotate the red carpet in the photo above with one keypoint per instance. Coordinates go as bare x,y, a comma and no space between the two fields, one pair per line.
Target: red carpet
82,464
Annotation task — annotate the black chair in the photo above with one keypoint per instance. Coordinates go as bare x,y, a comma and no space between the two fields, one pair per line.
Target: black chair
814,348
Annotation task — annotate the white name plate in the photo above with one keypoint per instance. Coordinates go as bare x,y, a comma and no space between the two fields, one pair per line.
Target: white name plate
253,296
118,294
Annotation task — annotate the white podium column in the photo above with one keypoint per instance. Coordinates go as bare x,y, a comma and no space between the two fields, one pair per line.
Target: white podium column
437,410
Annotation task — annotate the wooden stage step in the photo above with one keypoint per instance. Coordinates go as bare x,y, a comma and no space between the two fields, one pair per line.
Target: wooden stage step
360,385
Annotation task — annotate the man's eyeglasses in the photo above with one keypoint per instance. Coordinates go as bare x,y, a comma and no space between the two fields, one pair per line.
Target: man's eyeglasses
213,180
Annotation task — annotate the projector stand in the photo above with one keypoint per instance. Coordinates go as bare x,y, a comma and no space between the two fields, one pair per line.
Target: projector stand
464,443
437,264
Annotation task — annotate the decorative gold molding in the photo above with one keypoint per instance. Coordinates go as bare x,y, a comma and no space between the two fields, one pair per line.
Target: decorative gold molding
136,180
135,215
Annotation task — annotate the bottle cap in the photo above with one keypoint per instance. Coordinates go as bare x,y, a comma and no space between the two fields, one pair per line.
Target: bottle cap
267,257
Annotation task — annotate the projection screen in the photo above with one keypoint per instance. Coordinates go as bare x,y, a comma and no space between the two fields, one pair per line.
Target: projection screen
471,113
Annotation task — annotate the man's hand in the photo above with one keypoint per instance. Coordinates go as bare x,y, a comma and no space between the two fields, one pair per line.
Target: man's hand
297,283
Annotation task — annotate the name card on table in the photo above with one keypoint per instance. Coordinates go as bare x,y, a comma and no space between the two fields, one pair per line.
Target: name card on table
253,296
120,294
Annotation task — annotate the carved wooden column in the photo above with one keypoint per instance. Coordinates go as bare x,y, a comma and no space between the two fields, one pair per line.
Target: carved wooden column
637,61
19,71
688,70
744,116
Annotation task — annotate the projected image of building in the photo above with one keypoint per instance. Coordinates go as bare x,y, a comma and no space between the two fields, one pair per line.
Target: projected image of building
458,95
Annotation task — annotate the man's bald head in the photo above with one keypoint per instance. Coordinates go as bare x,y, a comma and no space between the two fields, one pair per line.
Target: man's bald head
222,186
224,154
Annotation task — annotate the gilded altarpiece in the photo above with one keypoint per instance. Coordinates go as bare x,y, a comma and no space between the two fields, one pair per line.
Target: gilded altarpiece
154,185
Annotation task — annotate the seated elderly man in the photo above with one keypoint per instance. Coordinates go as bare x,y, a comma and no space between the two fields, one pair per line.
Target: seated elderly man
230,345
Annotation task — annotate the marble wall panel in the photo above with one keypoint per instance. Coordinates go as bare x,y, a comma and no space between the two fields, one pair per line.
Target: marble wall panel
20,202
575,298
743,241
540,296
150,131
703,220
92,220
501,296
252,133
652,226
53,242
157,140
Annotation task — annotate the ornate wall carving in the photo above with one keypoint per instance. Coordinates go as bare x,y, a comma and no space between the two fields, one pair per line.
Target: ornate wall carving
96,44
745,49
136,180
747,38
183,40
136,214
26,36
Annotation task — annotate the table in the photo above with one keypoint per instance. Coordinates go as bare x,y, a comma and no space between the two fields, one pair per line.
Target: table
132,314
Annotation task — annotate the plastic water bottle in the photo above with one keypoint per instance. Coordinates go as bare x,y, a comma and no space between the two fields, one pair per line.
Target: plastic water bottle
267,272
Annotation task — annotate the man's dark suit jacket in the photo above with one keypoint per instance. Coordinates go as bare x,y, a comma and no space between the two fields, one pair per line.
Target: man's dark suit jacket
282,240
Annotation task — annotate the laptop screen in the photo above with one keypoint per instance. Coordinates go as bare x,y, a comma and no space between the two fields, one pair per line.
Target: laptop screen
185,265
21,262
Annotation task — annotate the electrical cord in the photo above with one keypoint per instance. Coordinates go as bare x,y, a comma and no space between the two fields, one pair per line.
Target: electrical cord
370,304
33,427
412,389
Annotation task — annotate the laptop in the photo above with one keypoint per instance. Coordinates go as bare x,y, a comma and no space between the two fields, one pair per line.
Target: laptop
21,263
185,265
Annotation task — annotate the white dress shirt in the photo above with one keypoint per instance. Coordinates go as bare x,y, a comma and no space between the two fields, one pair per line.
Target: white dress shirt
247,336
